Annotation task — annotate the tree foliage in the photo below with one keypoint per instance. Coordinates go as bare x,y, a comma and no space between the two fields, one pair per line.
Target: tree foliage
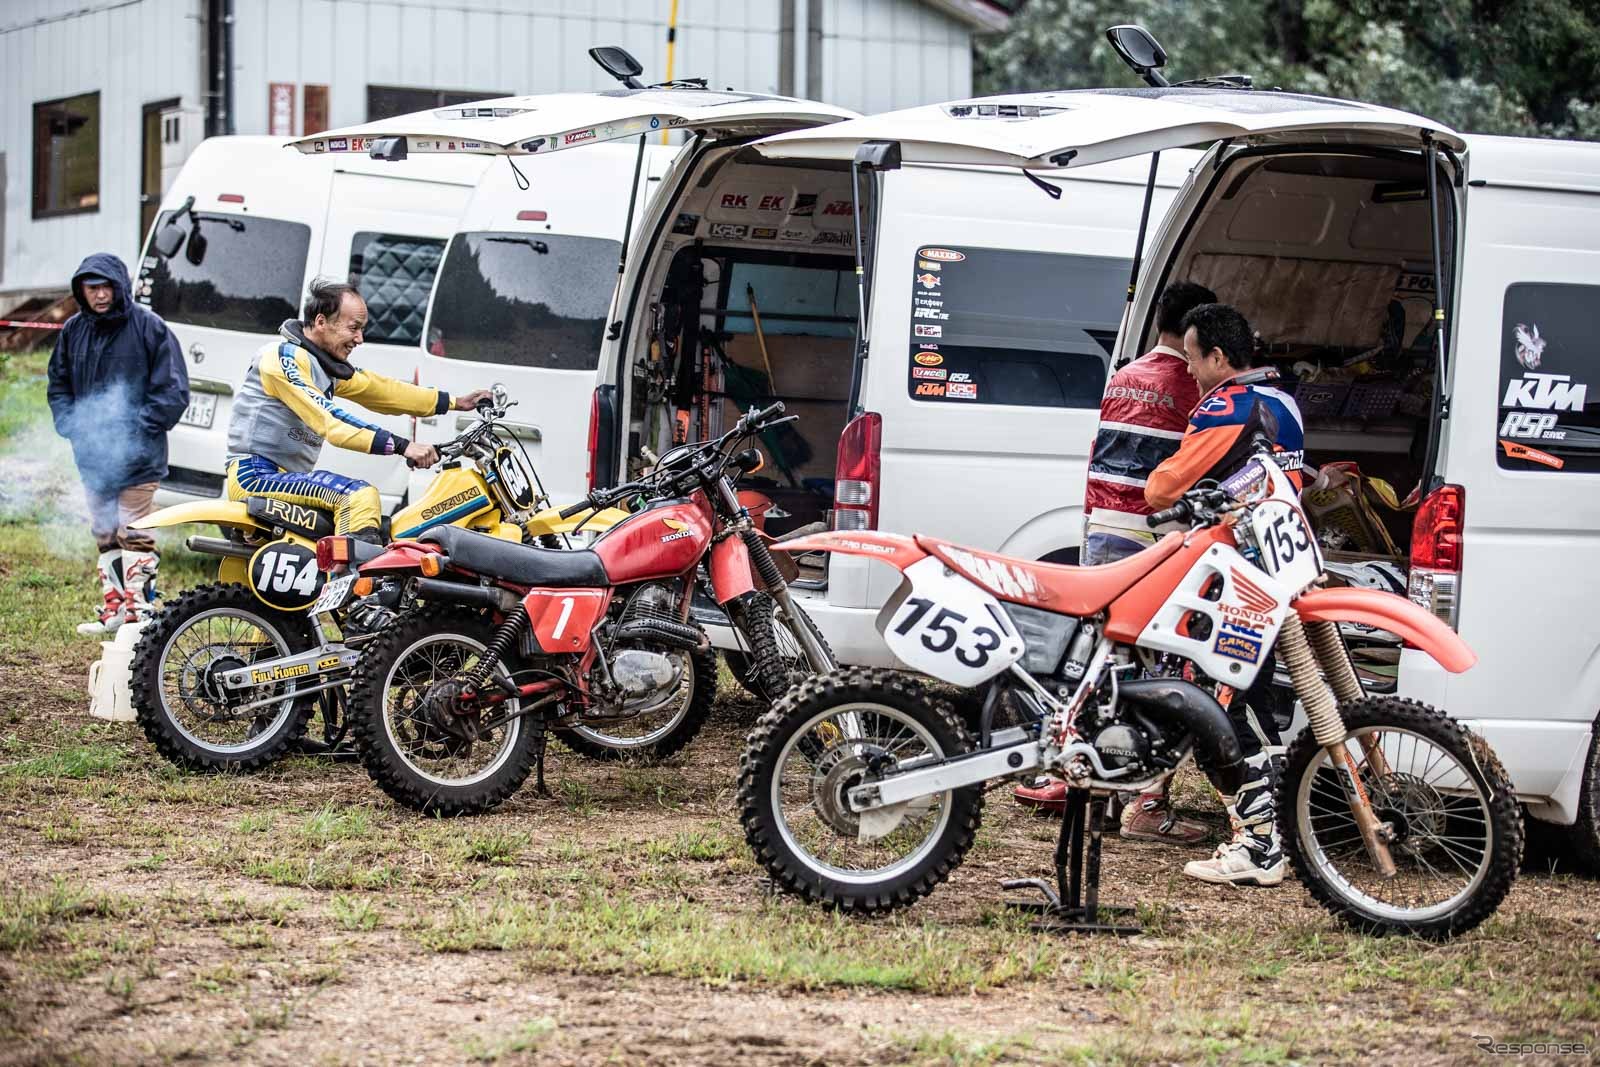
1524,67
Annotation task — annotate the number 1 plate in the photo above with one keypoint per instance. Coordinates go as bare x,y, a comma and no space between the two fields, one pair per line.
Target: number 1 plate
334,594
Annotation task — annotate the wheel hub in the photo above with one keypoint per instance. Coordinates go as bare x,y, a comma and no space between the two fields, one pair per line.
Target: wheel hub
841,772
1411,807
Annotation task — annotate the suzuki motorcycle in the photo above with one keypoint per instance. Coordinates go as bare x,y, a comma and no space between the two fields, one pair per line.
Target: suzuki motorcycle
450,705
862,790
226,676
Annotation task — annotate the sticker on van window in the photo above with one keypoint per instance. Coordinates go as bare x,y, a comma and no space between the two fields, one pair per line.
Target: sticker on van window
1549,413
946,254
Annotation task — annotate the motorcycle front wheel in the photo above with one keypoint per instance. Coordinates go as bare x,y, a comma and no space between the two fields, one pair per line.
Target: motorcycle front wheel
178,697
777,659
1452,822
827,735
413,741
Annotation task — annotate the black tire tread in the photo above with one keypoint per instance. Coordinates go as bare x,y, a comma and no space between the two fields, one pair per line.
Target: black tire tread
1504,813
365,716
1584,834
146,679
763,672
898,689
688,728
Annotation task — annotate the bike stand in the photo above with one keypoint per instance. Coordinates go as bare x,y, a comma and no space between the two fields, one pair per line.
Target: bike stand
1073,906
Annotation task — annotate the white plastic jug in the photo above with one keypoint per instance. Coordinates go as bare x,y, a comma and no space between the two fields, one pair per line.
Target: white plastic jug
110,677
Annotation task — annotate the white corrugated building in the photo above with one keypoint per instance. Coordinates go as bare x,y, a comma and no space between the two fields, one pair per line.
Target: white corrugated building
104,99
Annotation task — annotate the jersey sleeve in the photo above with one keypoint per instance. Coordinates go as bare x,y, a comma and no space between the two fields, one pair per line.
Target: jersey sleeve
1200,450
286,376
391,397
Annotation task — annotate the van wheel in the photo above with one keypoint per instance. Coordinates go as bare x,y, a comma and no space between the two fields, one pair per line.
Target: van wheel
1585,832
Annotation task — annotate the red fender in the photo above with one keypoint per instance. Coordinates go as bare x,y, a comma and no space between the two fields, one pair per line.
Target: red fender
400,556
896,550
731,575
1373,607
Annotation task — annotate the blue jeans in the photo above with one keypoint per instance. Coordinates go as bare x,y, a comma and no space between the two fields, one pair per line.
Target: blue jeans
1101,546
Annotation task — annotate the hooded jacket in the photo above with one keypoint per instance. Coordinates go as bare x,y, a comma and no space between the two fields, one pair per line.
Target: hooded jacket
117,384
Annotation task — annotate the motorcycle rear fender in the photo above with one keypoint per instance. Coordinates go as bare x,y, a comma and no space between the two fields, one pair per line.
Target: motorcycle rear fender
563,620
220,512
400,556
731,573
1387,611
897,550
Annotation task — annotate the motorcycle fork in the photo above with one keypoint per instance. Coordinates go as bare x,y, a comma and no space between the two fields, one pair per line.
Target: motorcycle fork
1327,726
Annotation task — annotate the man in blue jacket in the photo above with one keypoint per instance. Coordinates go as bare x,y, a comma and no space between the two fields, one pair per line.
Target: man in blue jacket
117,385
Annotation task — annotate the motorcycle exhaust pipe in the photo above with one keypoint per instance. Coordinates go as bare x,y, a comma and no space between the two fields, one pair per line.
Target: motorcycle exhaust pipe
473,596
667,632
216,546
1216,749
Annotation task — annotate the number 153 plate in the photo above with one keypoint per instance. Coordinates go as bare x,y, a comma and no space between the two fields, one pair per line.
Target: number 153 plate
946,627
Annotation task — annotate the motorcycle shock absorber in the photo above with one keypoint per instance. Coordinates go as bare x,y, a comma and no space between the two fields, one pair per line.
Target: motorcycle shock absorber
504,638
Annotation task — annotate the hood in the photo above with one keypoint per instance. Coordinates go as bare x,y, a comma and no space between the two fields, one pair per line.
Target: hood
294,332
104,265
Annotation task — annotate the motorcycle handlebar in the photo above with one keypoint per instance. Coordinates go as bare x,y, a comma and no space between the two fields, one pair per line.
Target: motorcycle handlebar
583,505
756,418
1179,512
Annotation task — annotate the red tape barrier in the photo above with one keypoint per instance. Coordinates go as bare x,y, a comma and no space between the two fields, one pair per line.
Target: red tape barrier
31,325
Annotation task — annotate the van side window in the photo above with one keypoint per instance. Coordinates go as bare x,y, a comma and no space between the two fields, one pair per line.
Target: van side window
1549,417
997,326
523,299
233,272
395,274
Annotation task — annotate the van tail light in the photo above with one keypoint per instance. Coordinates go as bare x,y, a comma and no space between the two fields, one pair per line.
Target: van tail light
856,476
1435,581
594,441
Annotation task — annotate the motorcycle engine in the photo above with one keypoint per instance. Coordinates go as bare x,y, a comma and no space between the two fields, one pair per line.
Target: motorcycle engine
646,679
1120,745
649,603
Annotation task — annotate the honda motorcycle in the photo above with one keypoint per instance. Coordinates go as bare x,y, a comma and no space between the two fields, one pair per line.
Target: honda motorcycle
861,790
226,676
451,704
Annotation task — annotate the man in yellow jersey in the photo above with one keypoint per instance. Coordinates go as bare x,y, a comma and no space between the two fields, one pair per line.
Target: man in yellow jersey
286,410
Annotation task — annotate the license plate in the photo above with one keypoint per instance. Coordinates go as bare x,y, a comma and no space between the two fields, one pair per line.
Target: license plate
201,411
334,594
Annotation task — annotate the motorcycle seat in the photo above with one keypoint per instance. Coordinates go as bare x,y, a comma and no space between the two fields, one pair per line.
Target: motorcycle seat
1057,587
303,519
516,563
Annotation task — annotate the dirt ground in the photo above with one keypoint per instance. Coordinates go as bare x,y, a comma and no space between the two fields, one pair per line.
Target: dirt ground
300,917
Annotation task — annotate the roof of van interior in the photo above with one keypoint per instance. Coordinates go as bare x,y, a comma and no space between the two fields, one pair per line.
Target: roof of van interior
1534,161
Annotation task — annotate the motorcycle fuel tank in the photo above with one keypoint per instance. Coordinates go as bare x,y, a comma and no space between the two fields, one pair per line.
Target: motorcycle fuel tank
659,542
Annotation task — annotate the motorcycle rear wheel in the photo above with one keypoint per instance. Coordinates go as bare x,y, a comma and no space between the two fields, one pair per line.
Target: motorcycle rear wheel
819,741
177,695
415,761
1457,828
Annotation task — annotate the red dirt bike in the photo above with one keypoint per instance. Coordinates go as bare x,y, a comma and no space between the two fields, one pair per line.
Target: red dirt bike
861,790
450,704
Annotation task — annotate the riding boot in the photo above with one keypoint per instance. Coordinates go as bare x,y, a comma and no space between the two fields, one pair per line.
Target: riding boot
113,593
1254,855
372,535
139,581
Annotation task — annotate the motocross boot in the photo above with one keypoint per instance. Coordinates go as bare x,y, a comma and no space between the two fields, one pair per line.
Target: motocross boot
1254,855
112,610
139,583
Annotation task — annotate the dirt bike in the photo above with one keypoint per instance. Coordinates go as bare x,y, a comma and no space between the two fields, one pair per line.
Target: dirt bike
226,676
451,704
862,790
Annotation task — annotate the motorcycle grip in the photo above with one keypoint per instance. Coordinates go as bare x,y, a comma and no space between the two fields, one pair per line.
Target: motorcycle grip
1178,512
582,505
767,413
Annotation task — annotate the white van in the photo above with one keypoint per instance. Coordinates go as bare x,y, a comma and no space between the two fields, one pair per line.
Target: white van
1313,217
521,299
261,224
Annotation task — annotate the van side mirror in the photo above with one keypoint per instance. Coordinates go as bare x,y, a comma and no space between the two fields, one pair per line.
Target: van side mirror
619,63
1136,47
169,238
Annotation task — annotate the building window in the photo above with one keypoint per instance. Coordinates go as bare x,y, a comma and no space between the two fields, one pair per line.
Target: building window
387,101
66,156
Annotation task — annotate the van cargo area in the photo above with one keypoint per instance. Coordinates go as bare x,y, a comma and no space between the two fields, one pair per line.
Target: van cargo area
752,298
1328,255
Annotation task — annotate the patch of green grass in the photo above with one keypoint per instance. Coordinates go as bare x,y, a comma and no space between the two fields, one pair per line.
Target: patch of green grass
699,845
76,761
29,918
527,1037
1109,972
495,847
254,823
317,873
331,824
355,913
949,1047
577,796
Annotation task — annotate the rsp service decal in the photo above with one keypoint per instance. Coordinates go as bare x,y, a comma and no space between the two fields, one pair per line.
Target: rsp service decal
1549,406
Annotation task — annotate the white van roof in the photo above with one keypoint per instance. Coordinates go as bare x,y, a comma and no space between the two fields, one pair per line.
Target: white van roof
549,122
1085,126
1533,162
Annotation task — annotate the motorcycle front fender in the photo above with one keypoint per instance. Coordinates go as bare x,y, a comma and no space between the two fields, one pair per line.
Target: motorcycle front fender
731,573
1387,611
224,513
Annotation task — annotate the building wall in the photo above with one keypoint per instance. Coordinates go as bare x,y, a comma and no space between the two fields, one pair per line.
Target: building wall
870,55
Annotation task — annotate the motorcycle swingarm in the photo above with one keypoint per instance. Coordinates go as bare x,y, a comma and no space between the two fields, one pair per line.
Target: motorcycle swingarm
326,659
1013,751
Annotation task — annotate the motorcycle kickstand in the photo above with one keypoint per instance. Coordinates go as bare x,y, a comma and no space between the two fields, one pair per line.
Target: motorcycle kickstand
540,738
1073,905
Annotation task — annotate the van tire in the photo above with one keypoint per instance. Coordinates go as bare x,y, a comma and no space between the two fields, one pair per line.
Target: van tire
1584,834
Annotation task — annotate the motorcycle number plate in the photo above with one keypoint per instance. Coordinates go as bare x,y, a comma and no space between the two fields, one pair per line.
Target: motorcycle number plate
1288,547
942,625
334,594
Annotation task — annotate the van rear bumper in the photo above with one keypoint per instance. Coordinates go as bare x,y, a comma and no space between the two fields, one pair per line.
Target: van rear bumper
851,632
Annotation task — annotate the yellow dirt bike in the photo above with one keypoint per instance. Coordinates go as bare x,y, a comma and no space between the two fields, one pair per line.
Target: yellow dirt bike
226,676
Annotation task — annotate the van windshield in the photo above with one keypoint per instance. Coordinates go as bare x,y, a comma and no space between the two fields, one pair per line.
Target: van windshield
524,299
233,272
